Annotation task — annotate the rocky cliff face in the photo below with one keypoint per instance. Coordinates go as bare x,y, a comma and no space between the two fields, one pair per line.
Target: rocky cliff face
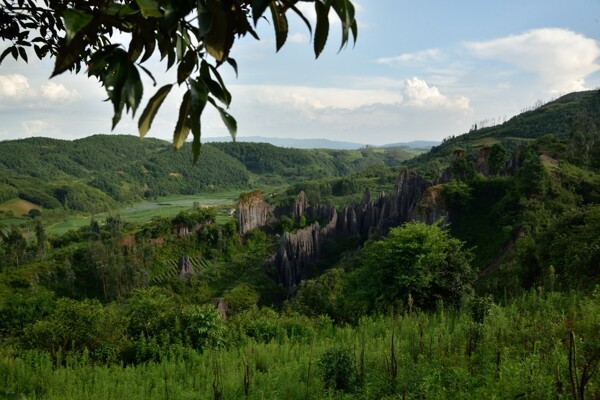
253,212
184,265
300,205
369,217
431,208
296,253
299,250
482,164
412,199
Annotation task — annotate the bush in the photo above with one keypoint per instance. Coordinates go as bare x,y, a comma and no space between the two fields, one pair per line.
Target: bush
79,327
203,326
336,366
240,298
417,259
457,194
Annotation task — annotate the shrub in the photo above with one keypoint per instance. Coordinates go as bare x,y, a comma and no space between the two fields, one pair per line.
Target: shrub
336,366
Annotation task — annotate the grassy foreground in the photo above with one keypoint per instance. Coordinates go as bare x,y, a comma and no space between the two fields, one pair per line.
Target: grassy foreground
539,346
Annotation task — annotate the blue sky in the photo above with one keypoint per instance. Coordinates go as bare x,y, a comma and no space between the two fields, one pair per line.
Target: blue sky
420,70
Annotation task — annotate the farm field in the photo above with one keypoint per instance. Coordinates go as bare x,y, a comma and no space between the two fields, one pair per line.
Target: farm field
59,222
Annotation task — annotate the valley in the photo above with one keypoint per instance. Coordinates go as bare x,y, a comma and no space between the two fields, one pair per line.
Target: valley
471,270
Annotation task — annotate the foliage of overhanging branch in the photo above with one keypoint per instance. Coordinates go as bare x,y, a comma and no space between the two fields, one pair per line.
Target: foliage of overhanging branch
80,33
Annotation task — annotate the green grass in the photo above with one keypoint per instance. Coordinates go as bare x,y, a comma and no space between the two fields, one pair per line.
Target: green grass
57,224
520,350
172,205
71,222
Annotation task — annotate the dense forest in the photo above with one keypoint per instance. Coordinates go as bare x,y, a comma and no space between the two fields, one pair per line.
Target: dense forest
471,271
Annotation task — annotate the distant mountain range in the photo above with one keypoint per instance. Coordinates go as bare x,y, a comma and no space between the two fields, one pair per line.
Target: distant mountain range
415,144
320,143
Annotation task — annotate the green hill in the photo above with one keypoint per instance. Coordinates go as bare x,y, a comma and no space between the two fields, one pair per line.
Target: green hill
97,172
558,118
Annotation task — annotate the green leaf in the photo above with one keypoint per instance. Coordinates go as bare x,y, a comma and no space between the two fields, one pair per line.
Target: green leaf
23,53
75,21
170,58
199,93
186,66
196,145
216,89
345,11
182,128
148,73
114,80
299,13
227,118
226,96
180,46
205,21
149,8
354,30
99,60
258,8
151,109
121,10
135,46
133,89
322,27
38,51
149,45
199,97
219,40
5,53
280,24
67,55
233,64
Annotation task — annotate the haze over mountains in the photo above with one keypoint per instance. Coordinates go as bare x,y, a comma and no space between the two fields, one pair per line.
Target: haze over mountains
321,143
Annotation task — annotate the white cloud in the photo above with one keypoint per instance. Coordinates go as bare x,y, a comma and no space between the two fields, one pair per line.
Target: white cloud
13,86
35,127
561,58
418,93
377,111
58,93
419,56
298,38
17,87
315,98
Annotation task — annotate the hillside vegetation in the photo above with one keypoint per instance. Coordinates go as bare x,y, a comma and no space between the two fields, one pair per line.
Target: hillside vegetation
558,117
95,173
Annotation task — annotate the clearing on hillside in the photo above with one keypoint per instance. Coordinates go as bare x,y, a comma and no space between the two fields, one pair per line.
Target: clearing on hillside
19,207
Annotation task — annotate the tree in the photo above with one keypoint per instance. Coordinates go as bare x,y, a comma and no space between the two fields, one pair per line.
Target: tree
40,235
16,245
416,259
196,36
532,177
498,157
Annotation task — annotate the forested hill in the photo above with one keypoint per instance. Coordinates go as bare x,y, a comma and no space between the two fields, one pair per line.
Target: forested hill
97,172
572,113
555,117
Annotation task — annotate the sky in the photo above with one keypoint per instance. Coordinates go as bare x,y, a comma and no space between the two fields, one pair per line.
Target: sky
420,70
